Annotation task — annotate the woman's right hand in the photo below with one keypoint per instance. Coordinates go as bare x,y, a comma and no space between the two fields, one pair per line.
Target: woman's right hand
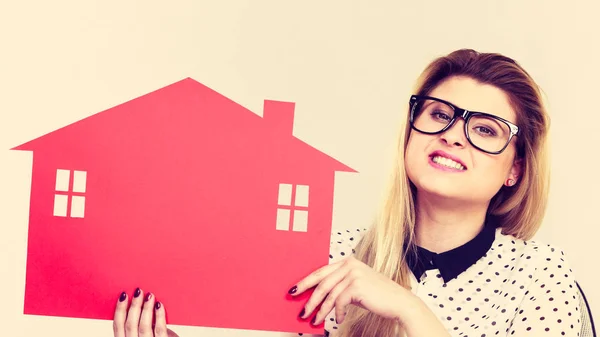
145,317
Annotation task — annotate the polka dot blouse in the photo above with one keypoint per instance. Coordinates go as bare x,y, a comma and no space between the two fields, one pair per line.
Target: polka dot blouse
495,285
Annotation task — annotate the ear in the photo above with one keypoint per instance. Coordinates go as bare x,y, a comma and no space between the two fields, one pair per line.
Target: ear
515,173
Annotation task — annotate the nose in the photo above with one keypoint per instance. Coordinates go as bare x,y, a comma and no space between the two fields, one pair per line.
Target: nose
455,135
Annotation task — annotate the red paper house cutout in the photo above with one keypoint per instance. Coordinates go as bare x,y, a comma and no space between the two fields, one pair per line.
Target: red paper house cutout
188,195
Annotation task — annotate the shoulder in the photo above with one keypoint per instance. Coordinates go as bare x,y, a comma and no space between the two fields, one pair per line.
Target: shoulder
541,264
547,287
533,250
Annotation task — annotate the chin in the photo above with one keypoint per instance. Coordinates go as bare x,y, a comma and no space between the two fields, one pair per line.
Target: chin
443,193
443,188
451,193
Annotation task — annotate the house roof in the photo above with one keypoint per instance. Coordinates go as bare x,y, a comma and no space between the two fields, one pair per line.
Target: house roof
179,104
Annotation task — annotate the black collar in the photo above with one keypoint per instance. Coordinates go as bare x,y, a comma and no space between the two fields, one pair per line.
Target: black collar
453,262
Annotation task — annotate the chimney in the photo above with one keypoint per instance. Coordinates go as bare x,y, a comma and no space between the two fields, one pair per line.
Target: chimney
279,116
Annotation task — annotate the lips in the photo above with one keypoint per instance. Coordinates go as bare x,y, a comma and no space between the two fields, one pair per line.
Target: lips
446,159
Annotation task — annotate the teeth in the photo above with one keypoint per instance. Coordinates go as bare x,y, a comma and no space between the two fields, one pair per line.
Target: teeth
448,162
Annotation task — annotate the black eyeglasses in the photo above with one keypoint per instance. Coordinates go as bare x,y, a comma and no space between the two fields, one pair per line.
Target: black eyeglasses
486,132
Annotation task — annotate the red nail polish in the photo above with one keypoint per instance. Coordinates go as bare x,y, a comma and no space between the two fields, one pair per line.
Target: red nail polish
137,292
293,290
157,305
302,313
122,297
148,297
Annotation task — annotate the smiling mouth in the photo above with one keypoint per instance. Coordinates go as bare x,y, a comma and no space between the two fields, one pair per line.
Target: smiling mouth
443,161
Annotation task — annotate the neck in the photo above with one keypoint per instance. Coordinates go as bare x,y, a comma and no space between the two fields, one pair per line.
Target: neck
443,225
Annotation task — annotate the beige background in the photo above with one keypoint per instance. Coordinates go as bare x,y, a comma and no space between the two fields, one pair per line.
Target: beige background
348,65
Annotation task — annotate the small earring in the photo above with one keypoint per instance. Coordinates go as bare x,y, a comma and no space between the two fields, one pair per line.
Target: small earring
510,182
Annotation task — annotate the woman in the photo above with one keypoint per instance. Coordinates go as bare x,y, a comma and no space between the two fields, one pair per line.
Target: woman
450,253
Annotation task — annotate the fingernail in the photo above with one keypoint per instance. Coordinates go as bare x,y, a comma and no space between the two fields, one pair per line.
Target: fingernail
137,293
122,297
302,313
314,320
148,297
293,290
157,305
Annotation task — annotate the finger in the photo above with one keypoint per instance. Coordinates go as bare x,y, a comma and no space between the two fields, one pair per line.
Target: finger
171,333
330,302
341,304
147,316
160,328
120,316
323,289
133,315
314,278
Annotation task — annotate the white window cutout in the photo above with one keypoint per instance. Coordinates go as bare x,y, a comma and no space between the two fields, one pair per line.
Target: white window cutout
60,205
300,218
61,200
283,219
300,221
285,194
79,180
62,180
301,196
77,206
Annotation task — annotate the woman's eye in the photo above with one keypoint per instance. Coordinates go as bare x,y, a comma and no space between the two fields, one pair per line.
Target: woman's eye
441,115
485,131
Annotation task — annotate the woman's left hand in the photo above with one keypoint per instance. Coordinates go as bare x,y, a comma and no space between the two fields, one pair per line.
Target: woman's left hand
347,282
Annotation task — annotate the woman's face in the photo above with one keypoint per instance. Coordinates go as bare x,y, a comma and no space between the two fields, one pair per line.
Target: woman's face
481,174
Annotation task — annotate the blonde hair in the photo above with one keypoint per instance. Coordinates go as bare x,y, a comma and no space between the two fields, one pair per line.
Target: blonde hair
519,210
